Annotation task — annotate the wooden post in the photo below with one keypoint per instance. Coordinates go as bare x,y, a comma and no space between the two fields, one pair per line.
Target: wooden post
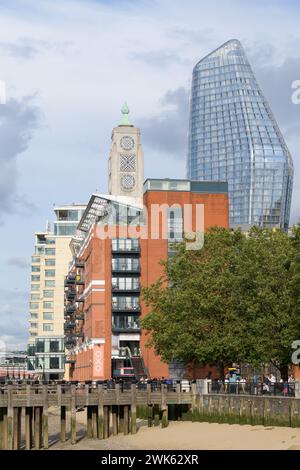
5,429
150,416
121,418
37,427
194,401
106,421
45,431
73,415
89,422
28,427
100,412
150,407
17,416
63,427
95,421
9,417
164,407
156,415
1,428
114,409
133,409
126,419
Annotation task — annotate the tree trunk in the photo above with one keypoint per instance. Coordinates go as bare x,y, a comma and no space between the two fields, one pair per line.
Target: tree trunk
221,368
284,372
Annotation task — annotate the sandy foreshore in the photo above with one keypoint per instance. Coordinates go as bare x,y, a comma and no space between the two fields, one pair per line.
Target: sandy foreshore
185,435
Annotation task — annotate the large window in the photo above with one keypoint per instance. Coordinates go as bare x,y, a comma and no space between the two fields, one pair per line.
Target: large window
50,251
123,322
35,259
48,315
49,293
35,296
50,283
35,269
125,264
54,363
35,287
47,304
34,305
125,244
48,327
35,278
125,303
65,229
49,272
50,262
125,283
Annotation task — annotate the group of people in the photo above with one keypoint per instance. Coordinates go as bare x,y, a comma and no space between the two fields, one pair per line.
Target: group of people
266,384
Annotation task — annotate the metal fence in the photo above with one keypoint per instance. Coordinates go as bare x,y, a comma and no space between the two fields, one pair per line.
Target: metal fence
252,388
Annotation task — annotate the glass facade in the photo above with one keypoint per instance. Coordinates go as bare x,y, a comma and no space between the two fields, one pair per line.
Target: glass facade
234,137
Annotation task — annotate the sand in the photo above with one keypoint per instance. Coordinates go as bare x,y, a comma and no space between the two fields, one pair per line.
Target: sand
184,435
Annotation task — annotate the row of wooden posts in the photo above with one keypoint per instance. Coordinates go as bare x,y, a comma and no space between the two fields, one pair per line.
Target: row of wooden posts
101,421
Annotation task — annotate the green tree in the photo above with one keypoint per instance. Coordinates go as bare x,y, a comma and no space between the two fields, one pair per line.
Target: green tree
265,294
193,316
236,300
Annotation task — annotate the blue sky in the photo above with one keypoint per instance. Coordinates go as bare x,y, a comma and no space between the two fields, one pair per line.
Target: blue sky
69,65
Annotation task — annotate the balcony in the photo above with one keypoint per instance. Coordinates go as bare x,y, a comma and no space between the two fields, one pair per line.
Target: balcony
70,309
126,329
70,280
125,246
79,263
80,298
69,325
70,295
79,280
121,307
123,289
79,316
121,267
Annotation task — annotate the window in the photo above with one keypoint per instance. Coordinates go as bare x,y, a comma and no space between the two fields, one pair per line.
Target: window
50,283
48,327
35,269
40,346
50,251
48,315
39,250
35,259
35,278
35,296
50,273
33,334
34,305
33,316
50,241
65,229
54,346
33,325
50,262
49,293
35,287
54,362
48,304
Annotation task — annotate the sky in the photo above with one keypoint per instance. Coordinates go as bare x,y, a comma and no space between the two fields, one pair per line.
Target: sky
69,65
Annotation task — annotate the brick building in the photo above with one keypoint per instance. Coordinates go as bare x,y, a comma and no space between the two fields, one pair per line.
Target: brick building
124,236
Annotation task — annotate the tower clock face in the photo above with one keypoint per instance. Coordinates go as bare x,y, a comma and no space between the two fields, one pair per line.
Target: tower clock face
127,182
127,142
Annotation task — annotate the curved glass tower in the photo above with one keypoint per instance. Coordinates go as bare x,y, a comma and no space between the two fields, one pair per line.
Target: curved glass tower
233,136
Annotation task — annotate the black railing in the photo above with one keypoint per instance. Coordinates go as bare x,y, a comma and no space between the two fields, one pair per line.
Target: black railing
252,388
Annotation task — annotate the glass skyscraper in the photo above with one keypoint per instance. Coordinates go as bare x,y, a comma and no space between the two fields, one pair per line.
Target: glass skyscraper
233,136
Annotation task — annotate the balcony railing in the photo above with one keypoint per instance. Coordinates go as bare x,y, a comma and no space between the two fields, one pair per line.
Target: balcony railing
121,307
128,246
134,288
125,268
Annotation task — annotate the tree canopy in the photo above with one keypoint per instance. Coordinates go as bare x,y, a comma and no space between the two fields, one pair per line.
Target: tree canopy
235,300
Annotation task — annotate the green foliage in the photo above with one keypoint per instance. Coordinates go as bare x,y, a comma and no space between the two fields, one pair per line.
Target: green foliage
235,300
